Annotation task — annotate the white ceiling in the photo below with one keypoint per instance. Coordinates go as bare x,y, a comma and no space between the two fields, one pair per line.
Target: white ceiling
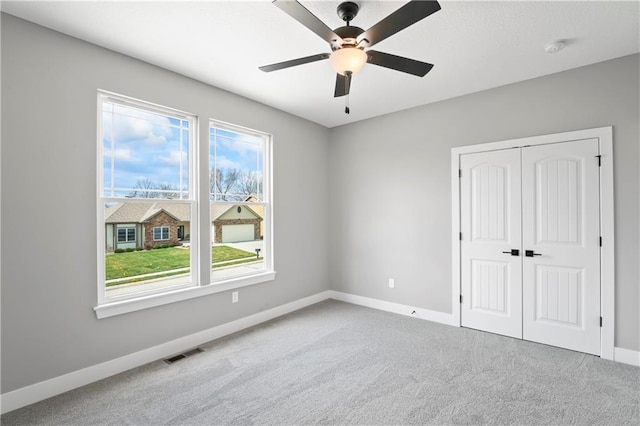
474,46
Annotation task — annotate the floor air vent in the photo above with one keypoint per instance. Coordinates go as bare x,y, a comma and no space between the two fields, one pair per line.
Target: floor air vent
183,355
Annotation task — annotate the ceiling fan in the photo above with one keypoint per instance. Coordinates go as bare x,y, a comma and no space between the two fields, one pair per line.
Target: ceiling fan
350,45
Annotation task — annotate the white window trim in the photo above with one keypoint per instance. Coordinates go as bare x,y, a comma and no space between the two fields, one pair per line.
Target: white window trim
103,300
158,299
607,271
108,307
267,201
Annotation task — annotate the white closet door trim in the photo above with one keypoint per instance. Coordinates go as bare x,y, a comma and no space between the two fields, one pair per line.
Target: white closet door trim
607,288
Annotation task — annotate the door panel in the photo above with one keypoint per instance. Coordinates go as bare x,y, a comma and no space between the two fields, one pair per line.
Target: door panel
489,289
560,217
558,200
558,295
491,283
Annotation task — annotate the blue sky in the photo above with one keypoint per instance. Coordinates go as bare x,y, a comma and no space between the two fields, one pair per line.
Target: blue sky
141,145
231,150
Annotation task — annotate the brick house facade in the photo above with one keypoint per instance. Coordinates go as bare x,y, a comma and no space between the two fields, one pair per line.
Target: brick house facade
162,219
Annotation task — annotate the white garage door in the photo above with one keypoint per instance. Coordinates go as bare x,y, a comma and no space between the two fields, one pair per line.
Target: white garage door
237,233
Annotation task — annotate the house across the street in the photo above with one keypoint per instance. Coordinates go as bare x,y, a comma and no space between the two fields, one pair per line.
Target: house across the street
131,225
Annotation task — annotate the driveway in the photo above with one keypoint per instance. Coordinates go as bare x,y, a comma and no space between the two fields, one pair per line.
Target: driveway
249,246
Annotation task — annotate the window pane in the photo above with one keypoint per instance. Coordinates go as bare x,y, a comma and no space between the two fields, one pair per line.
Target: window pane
145,154
238,239
236,166
137,262
162,233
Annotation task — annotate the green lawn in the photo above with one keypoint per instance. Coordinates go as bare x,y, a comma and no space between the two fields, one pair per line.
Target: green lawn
122,265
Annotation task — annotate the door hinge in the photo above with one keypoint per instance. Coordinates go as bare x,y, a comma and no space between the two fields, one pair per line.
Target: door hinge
460,236
600,241
460,298
459,173
600,321
599,157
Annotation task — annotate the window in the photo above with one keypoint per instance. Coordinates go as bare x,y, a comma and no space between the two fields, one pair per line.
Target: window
240,203
126,235
161,233
146,158
151,228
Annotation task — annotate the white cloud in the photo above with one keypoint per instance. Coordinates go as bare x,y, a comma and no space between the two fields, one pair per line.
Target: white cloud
132,124
155,139
119,154
223,162
241,146
174,158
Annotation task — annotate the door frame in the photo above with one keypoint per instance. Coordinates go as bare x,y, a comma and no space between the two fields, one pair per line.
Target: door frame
607,251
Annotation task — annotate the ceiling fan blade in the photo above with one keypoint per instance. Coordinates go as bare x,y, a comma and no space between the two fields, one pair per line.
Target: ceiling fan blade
294,62
308,19
343,84
398,63
407,15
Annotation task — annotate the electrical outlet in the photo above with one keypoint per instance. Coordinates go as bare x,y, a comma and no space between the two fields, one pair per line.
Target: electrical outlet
234,297
392,283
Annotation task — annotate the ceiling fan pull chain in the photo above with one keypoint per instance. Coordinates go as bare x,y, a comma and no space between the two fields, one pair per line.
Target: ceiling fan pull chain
346,103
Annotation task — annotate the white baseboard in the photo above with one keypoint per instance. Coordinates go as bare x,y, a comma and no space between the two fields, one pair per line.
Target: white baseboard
396,308
627,356
39,391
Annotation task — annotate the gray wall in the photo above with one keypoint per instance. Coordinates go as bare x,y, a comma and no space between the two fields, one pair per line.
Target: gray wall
373,198
49,84
390,196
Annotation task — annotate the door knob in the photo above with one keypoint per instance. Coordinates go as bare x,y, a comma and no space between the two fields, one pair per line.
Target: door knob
530,253
513,252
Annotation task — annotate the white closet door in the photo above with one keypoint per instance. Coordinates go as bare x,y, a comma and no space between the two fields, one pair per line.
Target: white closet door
560,216
491,285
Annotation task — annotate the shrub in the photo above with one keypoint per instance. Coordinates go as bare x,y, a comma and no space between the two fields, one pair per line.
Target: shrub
129,250
118,251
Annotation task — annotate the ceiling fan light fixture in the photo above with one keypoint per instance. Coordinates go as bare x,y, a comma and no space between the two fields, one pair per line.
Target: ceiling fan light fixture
348,60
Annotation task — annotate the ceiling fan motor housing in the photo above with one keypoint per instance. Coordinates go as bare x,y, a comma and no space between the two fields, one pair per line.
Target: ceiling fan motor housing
348,34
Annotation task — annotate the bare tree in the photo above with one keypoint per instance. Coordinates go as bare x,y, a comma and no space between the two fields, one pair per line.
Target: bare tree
146,188
168,190
222,182
250,183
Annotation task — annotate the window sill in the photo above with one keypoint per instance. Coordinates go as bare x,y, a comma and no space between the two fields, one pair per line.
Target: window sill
131,305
